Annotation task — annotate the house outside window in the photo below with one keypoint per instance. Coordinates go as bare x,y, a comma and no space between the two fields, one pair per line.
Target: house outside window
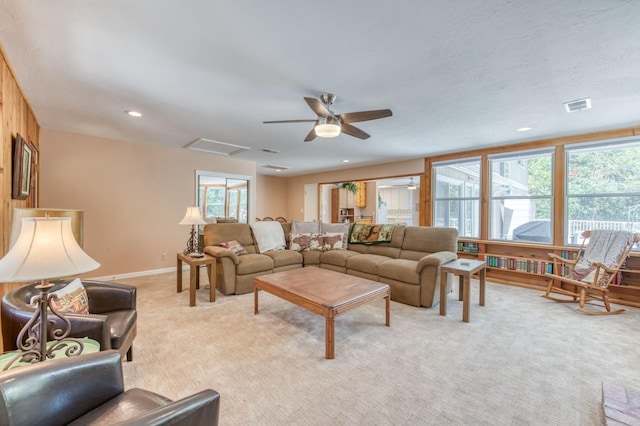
603,188
521,196
457,196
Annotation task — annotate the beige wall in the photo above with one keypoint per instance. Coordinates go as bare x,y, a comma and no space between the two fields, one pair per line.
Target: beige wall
271,197
133,196
295,185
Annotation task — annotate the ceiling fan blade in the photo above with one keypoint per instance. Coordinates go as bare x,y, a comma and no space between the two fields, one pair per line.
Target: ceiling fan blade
354,117
311,135
289,121
317,107
354,131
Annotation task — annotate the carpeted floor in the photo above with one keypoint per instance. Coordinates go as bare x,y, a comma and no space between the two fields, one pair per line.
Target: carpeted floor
522,360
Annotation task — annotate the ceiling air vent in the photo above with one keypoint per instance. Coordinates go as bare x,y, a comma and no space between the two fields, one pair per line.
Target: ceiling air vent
577,105
270,151
215,147
276,168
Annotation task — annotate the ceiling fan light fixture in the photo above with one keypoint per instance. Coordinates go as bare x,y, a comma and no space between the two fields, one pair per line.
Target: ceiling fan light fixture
328,127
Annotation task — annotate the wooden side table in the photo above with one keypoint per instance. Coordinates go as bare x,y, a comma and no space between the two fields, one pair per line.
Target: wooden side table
464,272
194,268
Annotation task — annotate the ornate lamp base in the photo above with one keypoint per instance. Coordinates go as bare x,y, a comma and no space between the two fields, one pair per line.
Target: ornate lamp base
34,347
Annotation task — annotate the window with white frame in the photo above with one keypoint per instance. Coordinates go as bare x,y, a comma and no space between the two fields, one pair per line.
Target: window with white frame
521,196
603,188
457,196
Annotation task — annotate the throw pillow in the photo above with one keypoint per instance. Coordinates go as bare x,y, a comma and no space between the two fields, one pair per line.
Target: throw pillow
269,236
72,298
339,228
334,241
306,242
298,227
235,247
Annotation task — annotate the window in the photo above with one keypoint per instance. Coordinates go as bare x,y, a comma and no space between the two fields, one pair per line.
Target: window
223,196
521,196
603,188
457,196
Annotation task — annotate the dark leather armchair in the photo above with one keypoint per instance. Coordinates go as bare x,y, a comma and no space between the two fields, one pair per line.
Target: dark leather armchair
111,320
88,390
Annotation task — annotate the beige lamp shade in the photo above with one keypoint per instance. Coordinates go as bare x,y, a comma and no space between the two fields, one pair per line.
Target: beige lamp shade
77,218
192,217
45,249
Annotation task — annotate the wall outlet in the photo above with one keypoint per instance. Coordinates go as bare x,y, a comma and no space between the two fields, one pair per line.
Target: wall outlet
163,256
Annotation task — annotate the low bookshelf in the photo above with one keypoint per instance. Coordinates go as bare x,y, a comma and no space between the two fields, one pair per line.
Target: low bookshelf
524,265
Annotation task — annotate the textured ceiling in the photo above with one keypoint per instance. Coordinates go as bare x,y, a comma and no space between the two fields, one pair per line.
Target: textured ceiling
456,74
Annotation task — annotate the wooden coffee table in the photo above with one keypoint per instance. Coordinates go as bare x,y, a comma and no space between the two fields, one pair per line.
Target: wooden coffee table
323,292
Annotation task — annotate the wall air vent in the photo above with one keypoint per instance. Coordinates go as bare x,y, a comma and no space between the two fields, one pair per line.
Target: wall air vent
276,168
215,147
577,105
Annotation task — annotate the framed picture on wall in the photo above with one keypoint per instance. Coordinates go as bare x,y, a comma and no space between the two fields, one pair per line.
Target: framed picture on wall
22,163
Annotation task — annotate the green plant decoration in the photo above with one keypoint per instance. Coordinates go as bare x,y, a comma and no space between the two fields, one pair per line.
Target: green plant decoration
351,186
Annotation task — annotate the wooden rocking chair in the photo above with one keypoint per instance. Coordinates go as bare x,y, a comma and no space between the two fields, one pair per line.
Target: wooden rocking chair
587,277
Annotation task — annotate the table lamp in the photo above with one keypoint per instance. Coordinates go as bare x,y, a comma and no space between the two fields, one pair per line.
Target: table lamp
192,217
45,249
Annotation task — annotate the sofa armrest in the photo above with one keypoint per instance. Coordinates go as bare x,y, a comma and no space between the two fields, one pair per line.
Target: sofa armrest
63,389
202,408
220,252
435,259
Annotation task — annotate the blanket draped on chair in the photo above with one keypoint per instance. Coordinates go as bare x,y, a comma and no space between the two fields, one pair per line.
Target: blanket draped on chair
605,246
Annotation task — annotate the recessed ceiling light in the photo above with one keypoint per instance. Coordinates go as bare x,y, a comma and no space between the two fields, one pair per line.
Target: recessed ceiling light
134,113
345,161
523,129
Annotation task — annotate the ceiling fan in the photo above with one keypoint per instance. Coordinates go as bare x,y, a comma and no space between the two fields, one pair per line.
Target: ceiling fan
329,125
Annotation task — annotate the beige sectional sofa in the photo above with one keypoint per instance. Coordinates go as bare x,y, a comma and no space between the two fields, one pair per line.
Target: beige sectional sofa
409,263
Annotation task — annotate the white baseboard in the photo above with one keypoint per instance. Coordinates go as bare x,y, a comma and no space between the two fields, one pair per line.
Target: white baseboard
136,274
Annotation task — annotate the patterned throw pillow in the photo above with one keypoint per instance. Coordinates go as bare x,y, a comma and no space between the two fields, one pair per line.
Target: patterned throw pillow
334,241
72,298
305,242
327,228
235,247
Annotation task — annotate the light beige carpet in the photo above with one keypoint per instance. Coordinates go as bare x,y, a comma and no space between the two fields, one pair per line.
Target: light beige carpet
522,360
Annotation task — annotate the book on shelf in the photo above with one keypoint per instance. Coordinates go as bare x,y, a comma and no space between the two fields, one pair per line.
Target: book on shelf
519,265
468,247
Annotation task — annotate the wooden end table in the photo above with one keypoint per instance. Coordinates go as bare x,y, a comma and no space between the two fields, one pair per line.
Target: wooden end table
194,268
464,269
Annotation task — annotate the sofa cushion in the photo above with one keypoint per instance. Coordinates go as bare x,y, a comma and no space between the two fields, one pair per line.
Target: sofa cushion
367,263
253,263
217,233
430,240
284,258
337,257
269,236
400,270
311,257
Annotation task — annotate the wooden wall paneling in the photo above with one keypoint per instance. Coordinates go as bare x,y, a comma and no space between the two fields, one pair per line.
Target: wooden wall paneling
426,194
485,194
17,117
